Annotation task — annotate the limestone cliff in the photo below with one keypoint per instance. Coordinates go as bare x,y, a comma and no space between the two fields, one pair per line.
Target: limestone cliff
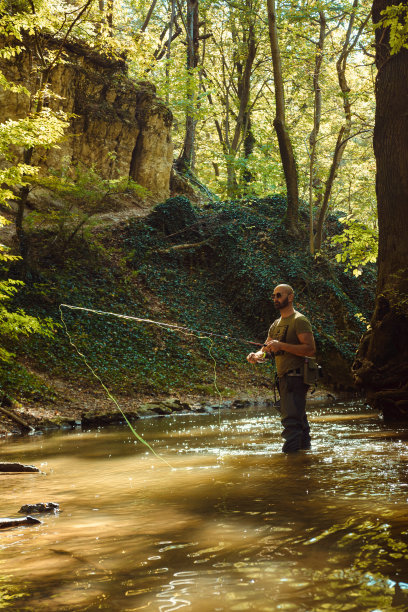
118,126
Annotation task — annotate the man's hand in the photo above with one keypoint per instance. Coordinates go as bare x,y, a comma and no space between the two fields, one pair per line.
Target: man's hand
305,348
273,346
257,357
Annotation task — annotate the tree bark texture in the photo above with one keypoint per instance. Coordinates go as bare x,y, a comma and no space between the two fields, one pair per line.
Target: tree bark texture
244,71
317,115
381,364
249,144
285,144
184,162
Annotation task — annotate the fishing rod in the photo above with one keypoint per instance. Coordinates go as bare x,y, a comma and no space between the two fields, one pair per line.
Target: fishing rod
163,324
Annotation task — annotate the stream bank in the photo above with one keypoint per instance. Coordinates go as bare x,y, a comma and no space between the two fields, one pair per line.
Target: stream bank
91,408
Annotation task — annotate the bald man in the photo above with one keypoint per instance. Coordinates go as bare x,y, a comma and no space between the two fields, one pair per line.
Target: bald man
290,339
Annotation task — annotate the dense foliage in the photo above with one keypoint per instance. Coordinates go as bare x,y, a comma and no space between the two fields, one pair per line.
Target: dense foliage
149,268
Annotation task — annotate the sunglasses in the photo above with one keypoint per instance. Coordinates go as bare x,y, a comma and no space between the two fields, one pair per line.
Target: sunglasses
276,295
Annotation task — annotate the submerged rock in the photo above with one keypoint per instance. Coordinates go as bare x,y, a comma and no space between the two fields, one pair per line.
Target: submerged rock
241,404
96,419
201,408
163,407
41,507
157,408
145,410
17,467
176,405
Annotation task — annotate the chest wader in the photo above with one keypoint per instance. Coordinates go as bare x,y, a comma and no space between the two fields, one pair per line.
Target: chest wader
296,430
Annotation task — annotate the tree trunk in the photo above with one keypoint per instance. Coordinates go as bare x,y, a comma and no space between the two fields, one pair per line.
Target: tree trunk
244,91
345,130
22,239
109,16
337,156
186,156
249,144
342,138
285,144
317,114
148,16
381,365
168,51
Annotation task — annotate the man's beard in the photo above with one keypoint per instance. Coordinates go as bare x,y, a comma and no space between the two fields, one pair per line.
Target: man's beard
283,304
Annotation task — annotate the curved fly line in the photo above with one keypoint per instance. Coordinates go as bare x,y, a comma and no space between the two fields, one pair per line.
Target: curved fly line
185,330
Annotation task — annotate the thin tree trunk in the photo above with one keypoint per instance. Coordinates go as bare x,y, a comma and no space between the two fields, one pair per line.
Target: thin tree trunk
285,144
244,91
168,51
148,16
186,156
344,132
249,143
101,6
27,158
217,125
317,113
337,156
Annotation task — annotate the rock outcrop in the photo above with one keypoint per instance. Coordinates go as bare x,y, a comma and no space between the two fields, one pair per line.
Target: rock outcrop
119,127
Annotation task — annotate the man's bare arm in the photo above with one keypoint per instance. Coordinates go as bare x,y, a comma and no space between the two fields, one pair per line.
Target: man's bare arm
306,348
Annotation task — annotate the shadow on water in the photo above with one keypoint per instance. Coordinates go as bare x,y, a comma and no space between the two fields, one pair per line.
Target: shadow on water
234,525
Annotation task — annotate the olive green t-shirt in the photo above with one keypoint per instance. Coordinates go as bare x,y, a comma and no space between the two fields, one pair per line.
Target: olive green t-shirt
287,330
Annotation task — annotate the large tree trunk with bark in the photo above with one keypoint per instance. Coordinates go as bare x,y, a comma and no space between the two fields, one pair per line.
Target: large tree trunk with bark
381,365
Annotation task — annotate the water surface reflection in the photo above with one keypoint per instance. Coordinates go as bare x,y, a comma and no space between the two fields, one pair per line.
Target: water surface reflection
235,525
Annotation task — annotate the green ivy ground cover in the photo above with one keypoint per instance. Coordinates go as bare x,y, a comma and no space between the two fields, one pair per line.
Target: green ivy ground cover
221,286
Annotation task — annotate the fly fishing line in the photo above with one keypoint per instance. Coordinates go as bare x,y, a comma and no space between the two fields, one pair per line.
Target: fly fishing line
109,394
184,330
162,324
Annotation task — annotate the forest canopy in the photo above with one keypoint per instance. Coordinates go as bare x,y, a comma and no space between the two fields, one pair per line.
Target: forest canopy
232,73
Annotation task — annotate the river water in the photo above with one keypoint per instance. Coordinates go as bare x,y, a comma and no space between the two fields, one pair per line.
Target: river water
232,525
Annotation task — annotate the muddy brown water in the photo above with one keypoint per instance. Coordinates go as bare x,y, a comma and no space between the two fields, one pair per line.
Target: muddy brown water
233,525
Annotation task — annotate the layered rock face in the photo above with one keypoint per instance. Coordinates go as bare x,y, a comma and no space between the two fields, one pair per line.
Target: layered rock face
118,127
